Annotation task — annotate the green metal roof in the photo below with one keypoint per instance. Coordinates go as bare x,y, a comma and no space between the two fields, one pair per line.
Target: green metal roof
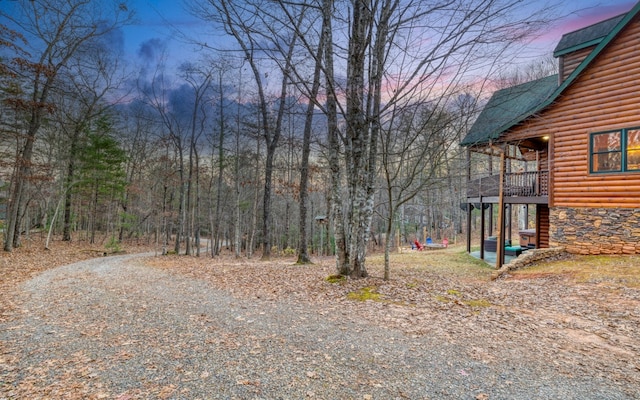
585,37
491,124
508,106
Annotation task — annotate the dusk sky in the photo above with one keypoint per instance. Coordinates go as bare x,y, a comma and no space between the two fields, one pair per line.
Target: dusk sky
158,19
581,13
157,22
155,16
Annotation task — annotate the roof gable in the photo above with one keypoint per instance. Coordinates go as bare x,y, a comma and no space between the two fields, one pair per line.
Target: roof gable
585,37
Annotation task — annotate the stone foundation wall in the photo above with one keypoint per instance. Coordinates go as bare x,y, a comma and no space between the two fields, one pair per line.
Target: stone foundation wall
530,257
595,230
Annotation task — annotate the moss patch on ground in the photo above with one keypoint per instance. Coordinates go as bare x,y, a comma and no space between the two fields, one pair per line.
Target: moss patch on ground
364,294
479,303
336,278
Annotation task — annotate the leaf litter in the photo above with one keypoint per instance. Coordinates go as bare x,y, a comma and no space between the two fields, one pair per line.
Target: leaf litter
583,326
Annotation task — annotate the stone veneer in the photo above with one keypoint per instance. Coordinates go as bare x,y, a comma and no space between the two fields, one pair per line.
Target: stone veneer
595,230
530,257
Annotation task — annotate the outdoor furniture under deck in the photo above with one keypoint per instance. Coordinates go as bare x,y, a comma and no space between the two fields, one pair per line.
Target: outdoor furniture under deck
491,244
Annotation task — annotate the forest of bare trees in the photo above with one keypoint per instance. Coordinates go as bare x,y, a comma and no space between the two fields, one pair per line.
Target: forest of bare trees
313,127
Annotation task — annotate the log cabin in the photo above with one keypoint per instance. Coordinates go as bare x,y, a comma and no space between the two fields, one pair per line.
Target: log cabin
567,145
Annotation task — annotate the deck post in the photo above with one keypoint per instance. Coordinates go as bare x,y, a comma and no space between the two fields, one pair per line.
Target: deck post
483,216
501,225
468,227
468,156
491,207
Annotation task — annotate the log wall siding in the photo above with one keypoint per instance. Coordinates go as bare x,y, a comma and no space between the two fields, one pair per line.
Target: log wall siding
604,97
542,226
571,61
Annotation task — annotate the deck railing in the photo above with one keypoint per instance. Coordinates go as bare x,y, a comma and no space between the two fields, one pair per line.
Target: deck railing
528,184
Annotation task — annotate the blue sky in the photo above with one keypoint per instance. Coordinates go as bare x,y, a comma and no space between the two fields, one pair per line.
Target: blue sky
156,23
583,13
158,19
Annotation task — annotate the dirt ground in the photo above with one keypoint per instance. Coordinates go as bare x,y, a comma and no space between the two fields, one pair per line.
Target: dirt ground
581,314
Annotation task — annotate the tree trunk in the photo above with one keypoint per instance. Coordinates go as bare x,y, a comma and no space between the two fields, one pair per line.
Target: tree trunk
266,203
303,256
17,200
238,230
254,211
212,225
337,216
188,206
220,171
181,190
357,140
387,245
66,230
196,207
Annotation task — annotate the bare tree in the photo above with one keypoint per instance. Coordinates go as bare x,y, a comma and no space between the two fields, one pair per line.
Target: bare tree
157,95
333,139
259,37
387,61
220,69
57,30
136,126
182,109
412,148
536,69
314,44
199,80
236,167
81,98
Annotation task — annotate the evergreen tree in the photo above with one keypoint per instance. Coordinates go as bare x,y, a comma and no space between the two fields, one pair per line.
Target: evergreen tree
102,177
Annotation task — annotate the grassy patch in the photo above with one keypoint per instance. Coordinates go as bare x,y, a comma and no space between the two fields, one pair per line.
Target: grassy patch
364,294
619,270
453,262
417,269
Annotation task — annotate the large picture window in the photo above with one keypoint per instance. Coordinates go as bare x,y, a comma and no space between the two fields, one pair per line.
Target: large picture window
615,151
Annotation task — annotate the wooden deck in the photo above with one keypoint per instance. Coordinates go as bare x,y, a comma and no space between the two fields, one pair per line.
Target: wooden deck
519,188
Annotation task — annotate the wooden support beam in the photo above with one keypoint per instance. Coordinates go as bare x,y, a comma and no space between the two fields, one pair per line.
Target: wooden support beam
501,236
468,228
482,233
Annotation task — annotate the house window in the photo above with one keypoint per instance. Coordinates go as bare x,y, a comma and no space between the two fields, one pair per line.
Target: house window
615,151
606,152
633,150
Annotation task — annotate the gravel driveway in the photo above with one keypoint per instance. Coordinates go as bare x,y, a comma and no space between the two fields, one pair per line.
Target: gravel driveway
115,328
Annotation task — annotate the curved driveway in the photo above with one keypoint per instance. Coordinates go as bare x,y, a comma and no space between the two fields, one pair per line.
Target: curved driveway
113,328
